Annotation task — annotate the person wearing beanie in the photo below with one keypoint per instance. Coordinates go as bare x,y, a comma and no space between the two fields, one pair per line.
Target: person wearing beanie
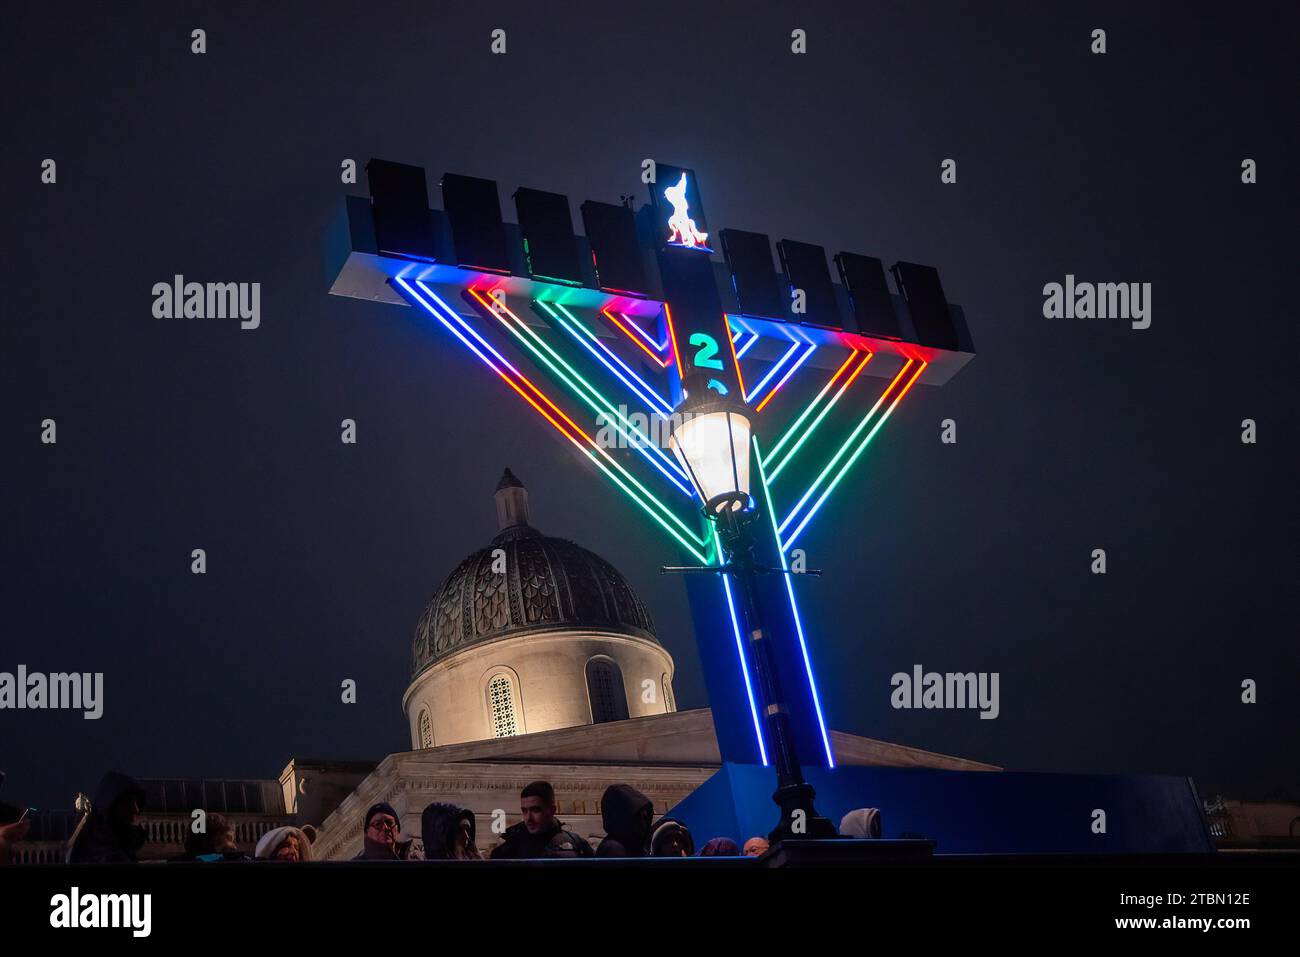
379,833
671,839
288,844
720,847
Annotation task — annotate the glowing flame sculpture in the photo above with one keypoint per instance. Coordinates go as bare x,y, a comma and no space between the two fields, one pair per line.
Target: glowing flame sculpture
682,231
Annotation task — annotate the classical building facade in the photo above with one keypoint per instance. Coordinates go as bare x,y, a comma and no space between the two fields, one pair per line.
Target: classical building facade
534,659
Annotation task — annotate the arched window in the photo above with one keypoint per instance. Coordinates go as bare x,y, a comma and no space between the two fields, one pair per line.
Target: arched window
425,729
605,689
501,706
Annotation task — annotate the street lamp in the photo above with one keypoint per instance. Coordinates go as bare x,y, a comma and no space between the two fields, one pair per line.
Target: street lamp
709,434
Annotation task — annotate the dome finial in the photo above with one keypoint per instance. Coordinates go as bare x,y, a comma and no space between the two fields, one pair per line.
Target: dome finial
512,502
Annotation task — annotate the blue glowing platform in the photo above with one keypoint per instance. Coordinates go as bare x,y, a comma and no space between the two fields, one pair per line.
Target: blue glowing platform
970,812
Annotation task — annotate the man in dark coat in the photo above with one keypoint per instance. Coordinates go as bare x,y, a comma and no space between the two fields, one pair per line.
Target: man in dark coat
448,833
112,834
626,814
539,834
379,833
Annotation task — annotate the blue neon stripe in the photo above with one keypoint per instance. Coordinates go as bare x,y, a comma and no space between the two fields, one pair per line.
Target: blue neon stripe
794,607
794,368
652,452
740,649
600,351
754,337
758,389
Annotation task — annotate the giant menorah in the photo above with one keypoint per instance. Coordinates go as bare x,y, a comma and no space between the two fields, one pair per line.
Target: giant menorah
598,333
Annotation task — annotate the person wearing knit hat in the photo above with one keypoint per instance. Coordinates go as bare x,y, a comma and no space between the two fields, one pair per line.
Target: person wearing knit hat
283,844
720,847
379,831
671,838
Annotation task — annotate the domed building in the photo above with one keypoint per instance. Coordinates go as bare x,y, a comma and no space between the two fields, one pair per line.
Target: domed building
533,660
531,633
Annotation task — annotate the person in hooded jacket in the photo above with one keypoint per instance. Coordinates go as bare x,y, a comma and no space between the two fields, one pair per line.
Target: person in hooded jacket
539,834
448,833
862,823
626,814
112,833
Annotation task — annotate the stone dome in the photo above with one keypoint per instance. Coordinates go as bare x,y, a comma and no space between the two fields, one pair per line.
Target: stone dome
549,584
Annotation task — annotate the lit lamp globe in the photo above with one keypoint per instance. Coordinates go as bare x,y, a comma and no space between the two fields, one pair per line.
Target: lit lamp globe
710,437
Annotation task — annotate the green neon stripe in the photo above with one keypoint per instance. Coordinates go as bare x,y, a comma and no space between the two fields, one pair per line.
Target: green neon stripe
857,453
780,466
577,324
839,453
701,540
705,559
767,497
595,399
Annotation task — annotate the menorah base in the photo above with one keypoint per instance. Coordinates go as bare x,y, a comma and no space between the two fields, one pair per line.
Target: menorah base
799,818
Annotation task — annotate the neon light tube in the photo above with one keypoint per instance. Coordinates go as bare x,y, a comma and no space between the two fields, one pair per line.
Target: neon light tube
607,358
735,359
791,371
862,447
789,456
557,418
847,442
750,397
793,429
794,607
740,648
585,391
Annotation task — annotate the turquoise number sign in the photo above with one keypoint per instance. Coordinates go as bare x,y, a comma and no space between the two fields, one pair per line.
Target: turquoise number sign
706,357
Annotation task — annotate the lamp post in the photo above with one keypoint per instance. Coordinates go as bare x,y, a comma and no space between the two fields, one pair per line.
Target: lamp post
710,436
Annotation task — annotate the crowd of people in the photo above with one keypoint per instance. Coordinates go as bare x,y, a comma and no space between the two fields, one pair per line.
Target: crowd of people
111,832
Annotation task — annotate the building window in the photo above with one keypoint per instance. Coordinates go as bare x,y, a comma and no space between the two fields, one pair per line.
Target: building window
501,706
425,728
668,694
605,689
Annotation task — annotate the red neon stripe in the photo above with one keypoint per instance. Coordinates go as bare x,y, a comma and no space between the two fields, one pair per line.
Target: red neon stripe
735,360
911,383
556,409
781,382
663,363
848,361
672,335
898,378
857,370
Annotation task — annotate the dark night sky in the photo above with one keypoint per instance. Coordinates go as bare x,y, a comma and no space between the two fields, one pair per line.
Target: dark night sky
1073,435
